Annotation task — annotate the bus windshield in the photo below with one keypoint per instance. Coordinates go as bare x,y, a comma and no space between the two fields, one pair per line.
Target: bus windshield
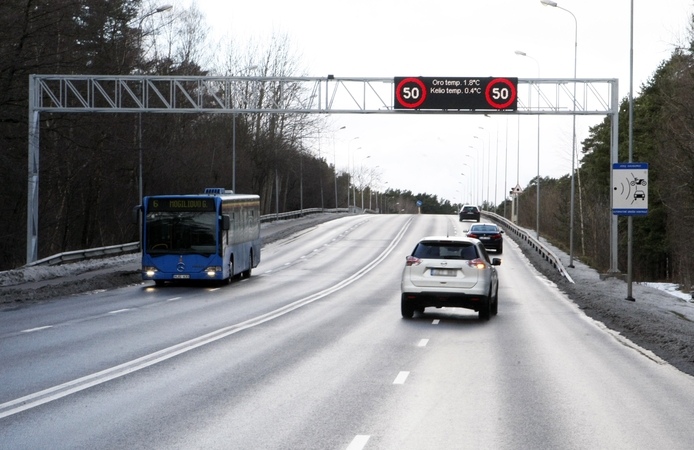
181,232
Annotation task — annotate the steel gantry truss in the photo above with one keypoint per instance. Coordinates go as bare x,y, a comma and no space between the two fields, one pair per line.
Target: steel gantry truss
281,95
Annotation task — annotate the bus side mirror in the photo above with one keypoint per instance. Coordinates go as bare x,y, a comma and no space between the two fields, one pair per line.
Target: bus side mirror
226,222
136,214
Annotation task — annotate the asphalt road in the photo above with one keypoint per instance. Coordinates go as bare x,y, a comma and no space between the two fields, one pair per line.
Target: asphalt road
312,352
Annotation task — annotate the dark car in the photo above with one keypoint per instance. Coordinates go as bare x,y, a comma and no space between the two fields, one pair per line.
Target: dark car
469,212
489,235
447,271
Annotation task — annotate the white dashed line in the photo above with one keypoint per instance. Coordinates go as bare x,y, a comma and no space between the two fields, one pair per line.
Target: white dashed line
358,442
173,299
400,379
118,311
30,330
423,343
435,322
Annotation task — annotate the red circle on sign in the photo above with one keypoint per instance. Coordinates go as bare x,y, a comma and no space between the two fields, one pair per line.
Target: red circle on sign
507,83
419,83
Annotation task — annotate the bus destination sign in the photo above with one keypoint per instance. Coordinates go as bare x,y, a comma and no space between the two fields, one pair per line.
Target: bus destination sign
466,93
181,204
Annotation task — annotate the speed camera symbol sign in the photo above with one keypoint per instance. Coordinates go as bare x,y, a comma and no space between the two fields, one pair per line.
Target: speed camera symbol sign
630,189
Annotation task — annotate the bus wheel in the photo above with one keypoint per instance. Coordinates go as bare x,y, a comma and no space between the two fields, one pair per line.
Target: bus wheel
247,273
231,273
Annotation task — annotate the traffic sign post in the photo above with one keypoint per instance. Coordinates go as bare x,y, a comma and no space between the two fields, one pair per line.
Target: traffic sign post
630,189
496,94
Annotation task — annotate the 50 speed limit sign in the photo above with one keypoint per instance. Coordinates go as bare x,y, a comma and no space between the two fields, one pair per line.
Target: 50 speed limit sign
456,93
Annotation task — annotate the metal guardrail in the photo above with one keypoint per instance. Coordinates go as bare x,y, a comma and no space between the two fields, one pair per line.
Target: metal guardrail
300,213
539,247
81,255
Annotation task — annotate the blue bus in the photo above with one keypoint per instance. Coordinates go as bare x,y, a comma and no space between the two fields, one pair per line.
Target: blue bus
210,236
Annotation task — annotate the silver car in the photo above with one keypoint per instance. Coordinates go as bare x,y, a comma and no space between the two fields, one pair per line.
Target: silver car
450,272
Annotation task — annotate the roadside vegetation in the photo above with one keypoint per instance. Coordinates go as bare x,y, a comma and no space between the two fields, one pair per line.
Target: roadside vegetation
663,137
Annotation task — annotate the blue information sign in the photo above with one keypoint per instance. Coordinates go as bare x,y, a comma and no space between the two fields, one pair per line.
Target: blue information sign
630,189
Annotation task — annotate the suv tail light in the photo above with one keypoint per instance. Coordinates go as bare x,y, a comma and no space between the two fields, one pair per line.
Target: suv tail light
477,263
412,261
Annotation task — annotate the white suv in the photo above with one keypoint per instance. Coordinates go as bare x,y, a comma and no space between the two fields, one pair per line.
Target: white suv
450,272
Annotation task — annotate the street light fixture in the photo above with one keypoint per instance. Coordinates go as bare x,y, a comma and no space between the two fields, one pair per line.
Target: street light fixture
537,219
573,141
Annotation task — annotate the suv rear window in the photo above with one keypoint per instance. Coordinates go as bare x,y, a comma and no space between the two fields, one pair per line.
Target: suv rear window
445,250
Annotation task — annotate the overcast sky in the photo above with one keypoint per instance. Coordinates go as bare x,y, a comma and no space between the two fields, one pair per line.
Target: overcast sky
463,38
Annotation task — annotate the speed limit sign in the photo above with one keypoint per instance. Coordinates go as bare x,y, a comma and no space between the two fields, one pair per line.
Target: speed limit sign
456,93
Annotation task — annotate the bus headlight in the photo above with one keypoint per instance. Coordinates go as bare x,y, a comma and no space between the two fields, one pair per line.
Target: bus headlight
212,270
149,271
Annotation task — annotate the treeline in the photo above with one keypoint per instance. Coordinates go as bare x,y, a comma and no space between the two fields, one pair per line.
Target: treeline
395,201
663,137
90,163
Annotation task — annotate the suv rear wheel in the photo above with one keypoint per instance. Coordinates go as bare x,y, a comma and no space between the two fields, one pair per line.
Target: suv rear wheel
486,308
406,308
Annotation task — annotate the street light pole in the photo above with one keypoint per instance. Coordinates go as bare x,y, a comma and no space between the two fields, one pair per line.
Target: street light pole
537,218
233,141
335,168
481,178
139,114
489,161
349,172
573,141
361,169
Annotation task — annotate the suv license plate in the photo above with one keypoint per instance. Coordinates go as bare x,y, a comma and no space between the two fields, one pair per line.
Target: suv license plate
442,272
181,277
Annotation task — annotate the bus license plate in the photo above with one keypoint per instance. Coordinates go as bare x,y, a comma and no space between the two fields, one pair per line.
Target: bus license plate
442,272
181,277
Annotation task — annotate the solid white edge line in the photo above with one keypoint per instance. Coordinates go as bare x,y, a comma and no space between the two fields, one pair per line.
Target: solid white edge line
80,384
359,442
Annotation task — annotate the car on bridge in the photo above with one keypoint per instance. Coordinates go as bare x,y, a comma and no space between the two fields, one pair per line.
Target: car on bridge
469,212
489,234
447,271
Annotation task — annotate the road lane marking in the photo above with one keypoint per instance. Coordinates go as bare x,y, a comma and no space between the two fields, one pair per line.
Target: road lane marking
31,330
435,322
358,442
423,343
80,384
118,311
400,379
173,299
